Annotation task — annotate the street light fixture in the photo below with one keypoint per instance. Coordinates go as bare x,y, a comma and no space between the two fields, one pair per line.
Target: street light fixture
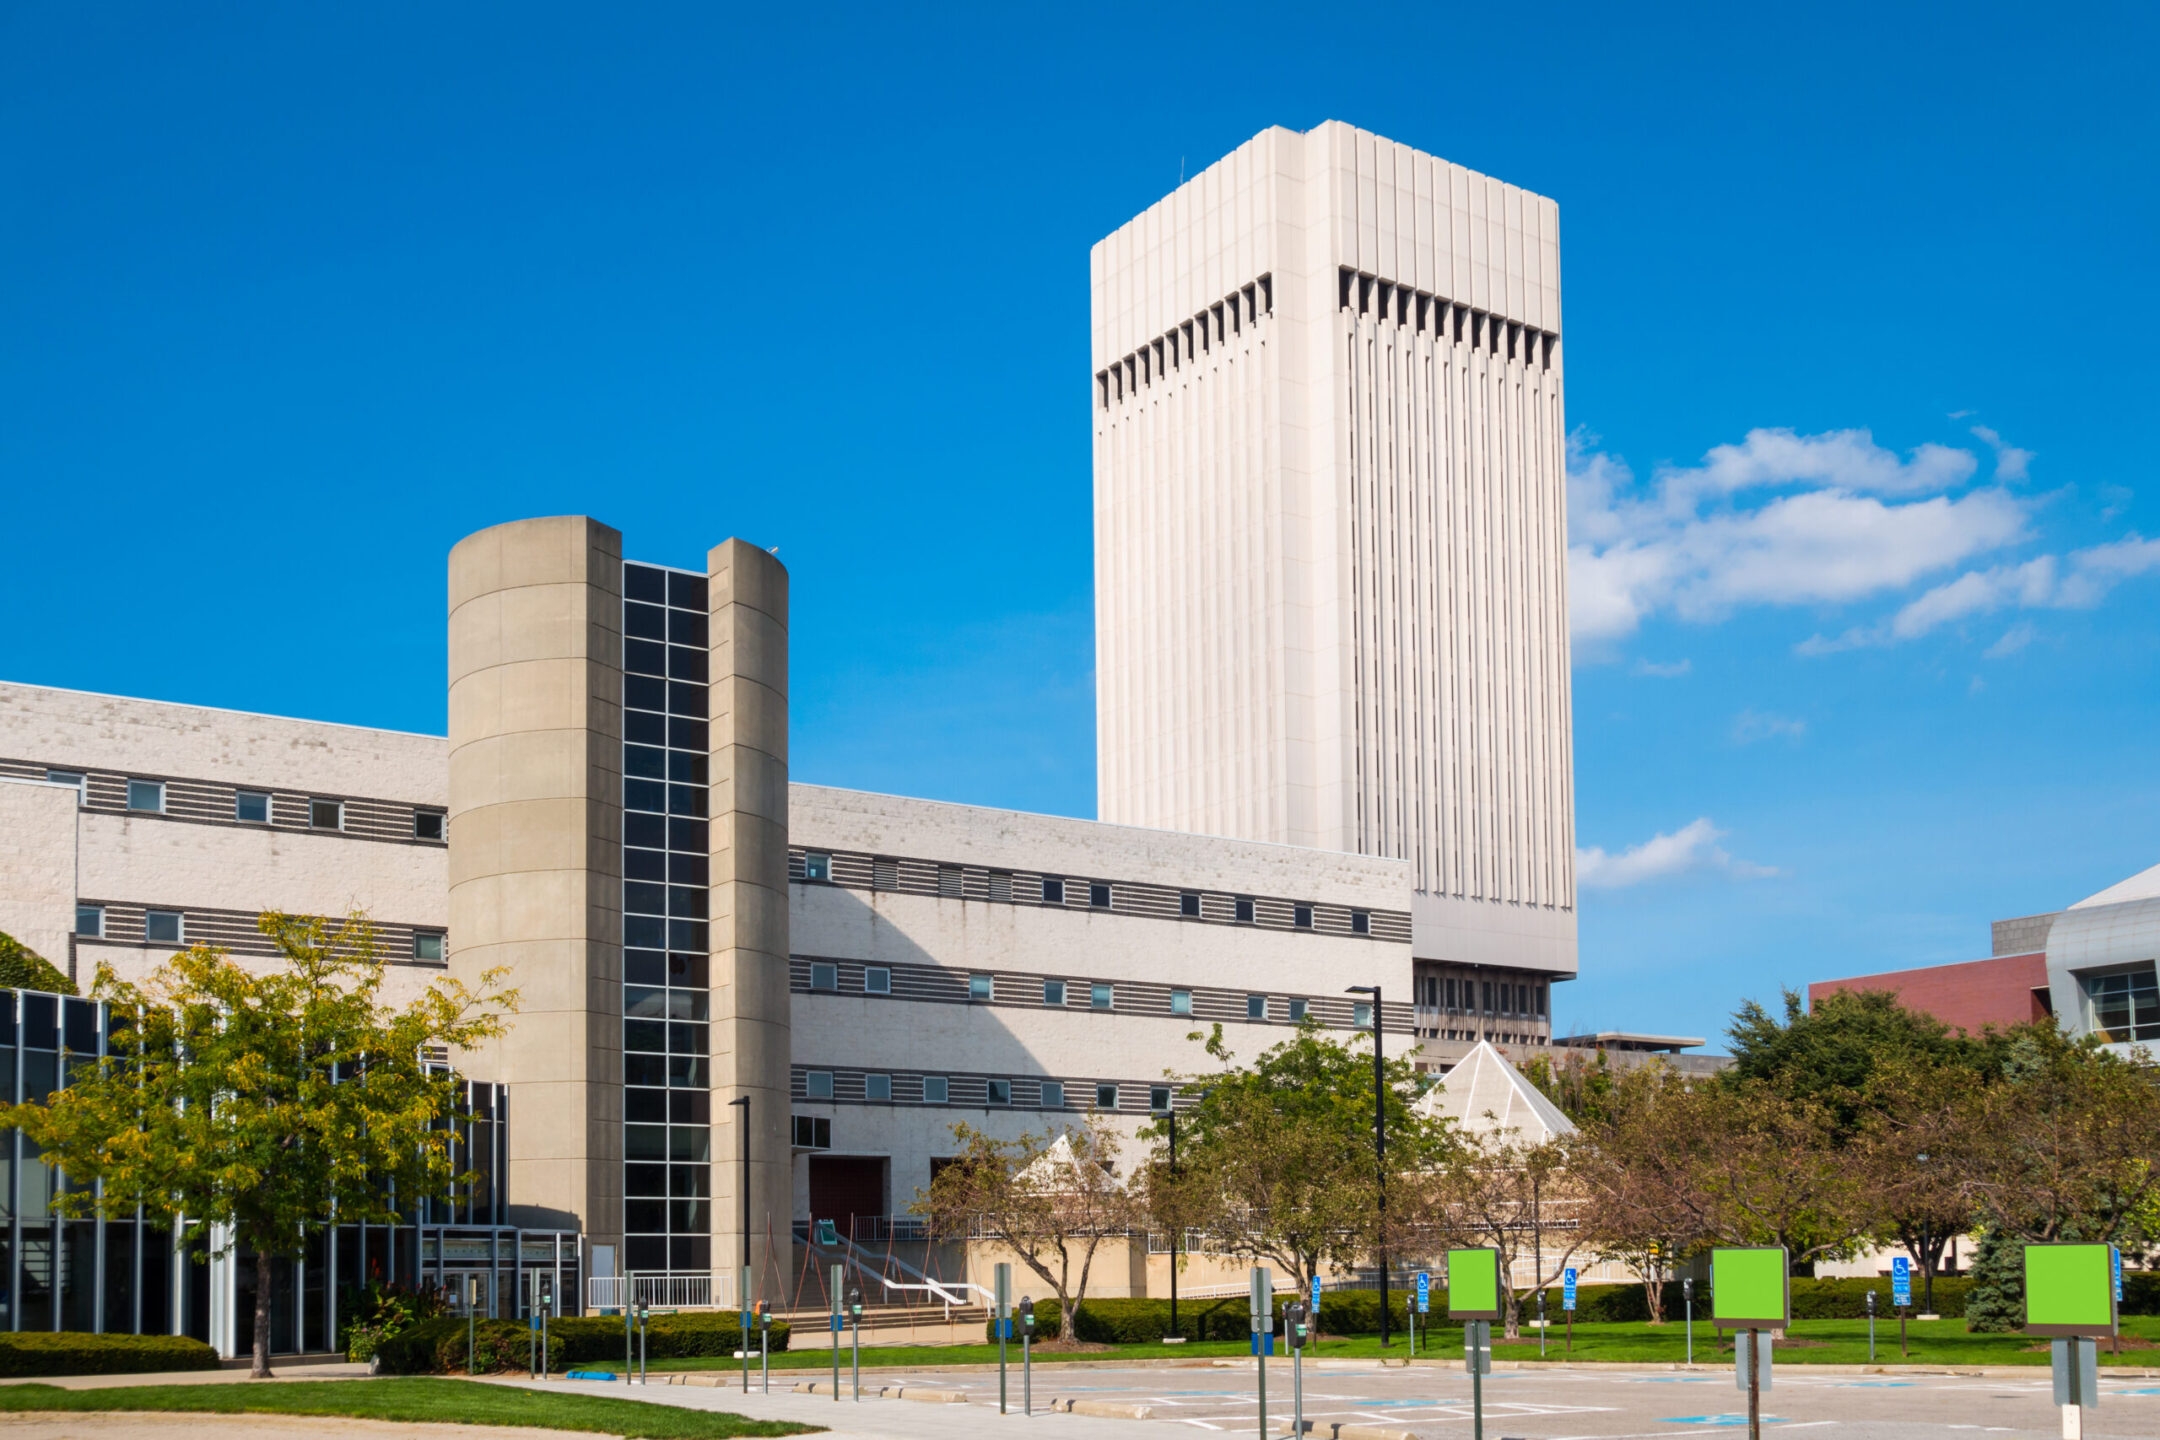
1379,1091
744,1101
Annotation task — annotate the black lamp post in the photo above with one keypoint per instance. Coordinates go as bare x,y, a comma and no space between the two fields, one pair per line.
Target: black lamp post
1379,1101
744,1101
1170,1115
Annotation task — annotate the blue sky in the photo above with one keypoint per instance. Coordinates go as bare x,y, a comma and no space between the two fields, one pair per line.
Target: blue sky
1858,310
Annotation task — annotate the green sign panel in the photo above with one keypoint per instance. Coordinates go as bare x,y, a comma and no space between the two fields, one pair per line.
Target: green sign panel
2069,1290
1473,1284
1748,1290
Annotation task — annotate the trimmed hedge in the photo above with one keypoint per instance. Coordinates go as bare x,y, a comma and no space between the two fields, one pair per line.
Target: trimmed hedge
437,1347
1146,1321
687,1334
73,1352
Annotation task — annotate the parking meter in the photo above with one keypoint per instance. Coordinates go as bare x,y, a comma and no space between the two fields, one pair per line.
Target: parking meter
1687,1295
854,1304
1297,1329
1027,1355
1296,1320
1871,1327
762,1311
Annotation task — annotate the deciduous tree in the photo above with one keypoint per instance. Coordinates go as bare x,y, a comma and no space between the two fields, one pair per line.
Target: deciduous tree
252,1103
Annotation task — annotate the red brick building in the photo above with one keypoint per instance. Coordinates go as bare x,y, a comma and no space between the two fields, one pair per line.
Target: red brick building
2002,990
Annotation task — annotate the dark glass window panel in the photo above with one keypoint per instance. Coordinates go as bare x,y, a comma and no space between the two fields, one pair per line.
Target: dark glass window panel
1360,923
1301,916
644,967
686,902
41,1075
646,932
644,657
688,734
82,1027
687,935
686,592
642,899
649,795
690,1142
1244,910
642,692
689,869
648,830
7,1017
643,582
645,1252
684,833
645,1215
642,729
686,1072
688,970
645,1035
687,627
686,1038
428,824
691,1252
686,699
1188,904
645,1107
690,1182
645,762
690,1107
644,1003
688,1004
645,1179
645,1142
41,1022
645,1069
645,864
1053,890
685,663
688,768
686,800
688,1215
1099,896
646,622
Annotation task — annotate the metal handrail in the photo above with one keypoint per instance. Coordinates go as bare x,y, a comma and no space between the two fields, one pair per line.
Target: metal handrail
680,1290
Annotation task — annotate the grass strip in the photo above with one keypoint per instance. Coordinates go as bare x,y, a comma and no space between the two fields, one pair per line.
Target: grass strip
408,1401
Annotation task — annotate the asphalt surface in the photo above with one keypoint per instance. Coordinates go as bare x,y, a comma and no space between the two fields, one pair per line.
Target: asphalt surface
1434,1403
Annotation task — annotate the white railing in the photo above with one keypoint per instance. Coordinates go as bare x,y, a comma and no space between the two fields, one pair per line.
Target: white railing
660,1292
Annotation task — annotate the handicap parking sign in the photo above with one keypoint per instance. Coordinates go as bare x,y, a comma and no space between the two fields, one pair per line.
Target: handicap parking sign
1567,1288
1901,1281
1424,1291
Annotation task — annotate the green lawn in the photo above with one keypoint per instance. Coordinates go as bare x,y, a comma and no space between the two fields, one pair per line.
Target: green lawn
409,1401
1843,1342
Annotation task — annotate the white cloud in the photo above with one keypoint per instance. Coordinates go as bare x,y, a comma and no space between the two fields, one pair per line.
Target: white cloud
1686,544
2077,581
2016,638
1752,725
1672,671
1694,846
2011,463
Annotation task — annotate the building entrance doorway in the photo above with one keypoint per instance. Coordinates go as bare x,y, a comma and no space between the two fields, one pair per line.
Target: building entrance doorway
845,1187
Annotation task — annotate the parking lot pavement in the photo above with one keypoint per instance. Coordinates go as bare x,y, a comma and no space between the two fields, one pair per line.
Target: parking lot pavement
1434,1403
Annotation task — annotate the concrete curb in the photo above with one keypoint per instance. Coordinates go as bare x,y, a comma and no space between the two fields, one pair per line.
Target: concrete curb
921,1393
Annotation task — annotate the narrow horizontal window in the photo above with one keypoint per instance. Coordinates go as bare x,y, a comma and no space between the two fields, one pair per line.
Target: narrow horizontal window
1106,1097
164,927
1099,896
877,1087
1102,997
817,1084
427,947
824,976
70,777
428,824
817,867
1188,903
1301,916
1158,1098
251,807
1053,1095
1244,909
876,980
326,814
146,796
934,1089
1361,922
997,1092
1053,992
1053,890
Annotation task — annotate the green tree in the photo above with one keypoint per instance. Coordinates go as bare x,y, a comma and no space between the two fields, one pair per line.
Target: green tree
1640,1190
22,968
1278,1155
1519,1197
1995,1305
251,1104
1911,1154
1582,1088
1828,1055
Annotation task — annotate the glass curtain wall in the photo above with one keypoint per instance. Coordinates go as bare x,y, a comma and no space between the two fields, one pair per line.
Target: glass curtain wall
667,1102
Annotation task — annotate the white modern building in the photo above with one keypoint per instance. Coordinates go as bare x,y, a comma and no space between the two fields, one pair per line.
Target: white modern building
1334,745
1331,587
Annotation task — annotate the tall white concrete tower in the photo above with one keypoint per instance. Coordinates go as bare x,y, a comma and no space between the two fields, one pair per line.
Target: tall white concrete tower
1330,530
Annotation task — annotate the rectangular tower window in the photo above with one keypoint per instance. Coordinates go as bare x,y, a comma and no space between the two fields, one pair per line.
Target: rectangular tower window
251,807
1099,896
817,867
884,874
934,1089
1181,1002
70,777
979,988
1297,1011
1158,1098
1188,903
1053,992
326,815
1301,916
146,796
1102,997
1256,1007
1053,1095
876,980
1053,890
1361,1014
428,824
1361,922
426,946
1243,909
997,1092
1106,1097
824,976
877,1087
817,1084
90,920
164,927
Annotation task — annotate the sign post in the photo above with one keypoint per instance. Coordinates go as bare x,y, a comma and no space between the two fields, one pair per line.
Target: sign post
1687,1298
854,1298
742,1297
1424,1307
839,1273
1297,1330
1567,1302
1749,1293
2070,1299
1473,1292
764,1345
1263,1332
1001,1298
1901,1296
1871,1327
